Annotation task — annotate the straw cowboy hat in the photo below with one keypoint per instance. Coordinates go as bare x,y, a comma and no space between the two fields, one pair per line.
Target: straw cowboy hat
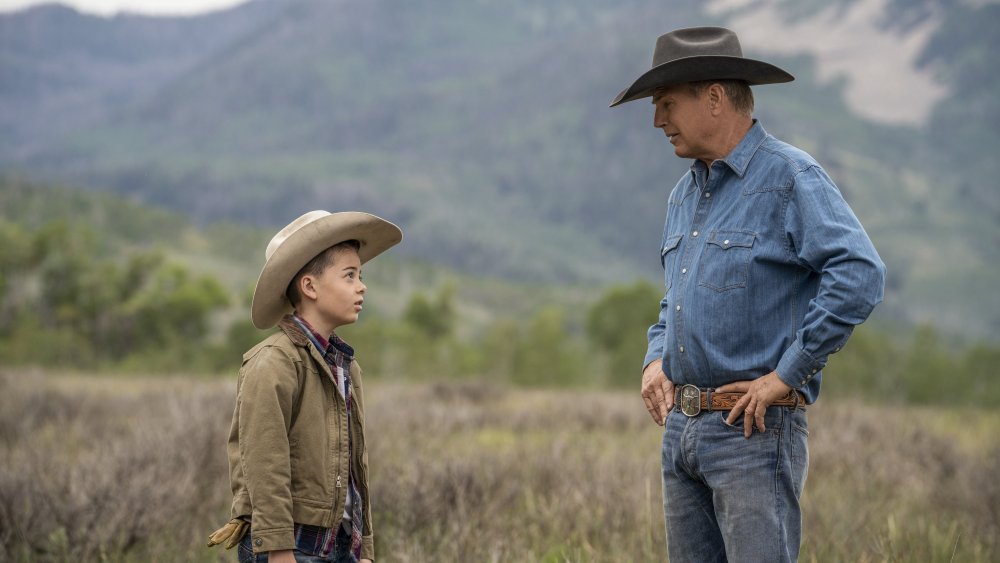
699,53
301,241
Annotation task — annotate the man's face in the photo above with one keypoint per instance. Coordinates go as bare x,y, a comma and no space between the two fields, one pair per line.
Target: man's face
686,120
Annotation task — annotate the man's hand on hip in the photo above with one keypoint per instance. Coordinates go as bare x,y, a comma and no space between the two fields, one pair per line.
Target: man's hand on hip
657,392
760,393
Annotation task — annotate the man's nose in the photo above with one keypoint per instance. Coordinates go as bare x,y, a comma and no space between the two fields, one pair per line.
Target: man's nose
659,120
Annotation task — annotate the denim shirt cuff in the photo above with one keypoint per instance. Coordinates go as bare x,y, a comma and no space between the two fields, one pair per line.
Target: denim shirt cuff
797,367
651,356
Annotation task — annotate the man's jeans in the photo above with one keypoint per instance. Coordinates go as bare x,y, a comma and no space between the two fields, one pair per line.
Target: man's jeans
730,498
341,551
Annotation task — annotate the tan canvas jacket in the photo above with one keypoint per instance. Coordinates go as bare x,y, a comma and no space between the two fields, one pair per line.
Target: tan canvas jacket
288,445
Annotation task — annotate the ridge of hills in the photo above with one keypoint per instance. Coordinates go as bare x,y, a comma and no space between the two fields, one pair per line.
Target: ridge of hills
232,254
483,129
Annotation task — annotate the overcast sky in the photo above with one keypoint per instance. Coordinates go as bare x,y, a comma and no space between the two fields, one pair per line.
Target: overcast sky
110,7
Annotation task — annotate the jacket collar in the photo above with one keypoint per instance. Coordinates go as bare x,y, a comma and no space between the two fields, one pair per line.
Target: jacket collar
293,331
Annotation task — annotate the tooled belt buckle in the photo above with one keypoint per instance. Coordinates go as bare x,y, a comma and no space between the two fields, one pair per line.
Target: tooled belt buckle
689,400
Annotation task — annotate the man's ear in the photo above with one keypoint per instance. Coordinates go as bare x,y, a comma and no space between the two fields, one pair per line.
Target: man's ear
716,95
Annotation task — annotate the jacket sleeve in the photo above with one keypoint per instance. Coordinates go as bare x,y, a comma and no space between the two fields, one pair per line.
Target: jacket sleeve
268,389
826,237
367,534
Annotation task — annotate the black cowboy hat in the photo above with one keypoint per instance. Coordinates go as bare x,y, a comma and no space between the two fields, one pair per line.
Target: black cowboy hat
700,53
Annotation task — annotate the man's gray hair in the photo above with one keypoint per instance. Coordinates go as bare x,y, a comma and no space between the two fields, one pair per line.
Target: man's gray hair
738,92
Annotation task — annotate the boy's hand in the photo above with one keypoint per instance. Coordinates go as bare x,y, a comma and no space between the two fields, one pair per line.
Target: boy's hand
281,556
365,561
231,533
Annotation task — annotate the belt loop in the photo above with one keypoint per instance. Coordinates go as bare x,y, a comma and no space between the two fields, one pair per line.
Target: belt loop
708,398
795,407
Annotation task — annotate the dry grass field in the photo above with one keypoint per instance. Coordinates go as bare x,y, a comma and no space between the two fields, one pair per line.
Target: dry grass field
133,469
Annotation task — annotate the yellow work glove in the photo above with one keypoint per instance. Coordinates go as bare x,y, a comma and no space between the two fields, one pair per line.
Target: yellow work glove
231,533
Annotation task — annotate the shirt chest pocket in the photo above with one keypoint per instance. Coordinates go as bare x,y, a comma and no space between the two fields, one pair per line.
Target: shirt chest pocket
725,261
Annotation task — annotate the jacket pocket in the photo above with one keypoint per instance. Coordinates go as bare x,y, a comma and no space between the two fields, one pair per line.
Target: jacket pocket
725,262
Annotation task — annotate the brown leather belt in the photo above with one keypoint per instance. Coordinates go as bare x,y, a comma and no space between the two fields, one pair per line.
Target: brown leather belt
691,400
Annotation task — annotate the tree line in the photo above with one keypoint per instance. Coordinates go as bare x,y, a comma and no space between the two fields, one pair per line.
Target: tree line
63,304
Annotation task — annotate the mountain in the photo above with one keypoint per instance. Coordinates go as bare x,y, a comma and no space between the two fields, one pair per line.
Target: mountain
482,127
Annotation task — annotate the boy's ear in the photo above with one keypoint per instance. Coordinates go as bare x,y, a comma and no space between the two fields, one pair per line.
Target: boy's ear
306,287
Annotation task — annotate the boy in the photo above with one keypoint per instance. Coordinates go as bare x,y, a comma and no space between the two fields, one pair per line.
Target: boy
297,457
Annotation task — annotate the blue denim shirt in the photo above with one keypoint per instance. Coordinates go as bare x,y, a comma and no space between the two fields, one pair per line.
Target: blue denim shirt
766,268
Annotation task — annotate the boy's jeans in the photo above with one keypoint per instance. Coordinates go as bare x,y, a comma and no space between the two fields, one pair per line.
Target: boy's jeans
730,498
341,551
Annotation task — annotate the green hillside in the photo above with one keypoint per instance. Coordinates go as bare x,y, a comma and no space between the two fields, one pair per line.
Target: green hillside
94,282
128,287
106,227
483,129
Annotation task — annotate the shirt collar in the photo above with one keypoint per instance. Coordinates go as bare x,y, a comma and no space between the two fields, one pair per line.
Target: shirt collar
739,158
323,344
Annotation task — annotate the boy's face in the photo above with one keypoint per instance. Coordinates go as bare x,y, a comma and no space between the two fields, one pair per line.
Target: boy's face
336,295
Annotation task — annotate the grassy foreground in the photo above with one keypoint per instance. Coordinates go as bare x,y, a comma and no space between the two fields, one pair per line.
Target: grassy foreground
133,469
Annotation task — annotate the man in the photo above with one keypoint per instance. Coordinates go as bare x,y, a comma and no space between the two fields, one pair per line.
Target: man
767,270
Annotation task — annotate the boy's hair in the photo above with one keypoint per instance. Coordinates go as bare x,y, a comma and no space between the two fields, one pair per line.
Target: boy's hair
316,267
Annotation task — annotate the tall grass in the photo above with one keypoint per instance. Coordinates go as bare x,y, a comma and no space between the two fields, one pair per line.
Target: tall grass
134,469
